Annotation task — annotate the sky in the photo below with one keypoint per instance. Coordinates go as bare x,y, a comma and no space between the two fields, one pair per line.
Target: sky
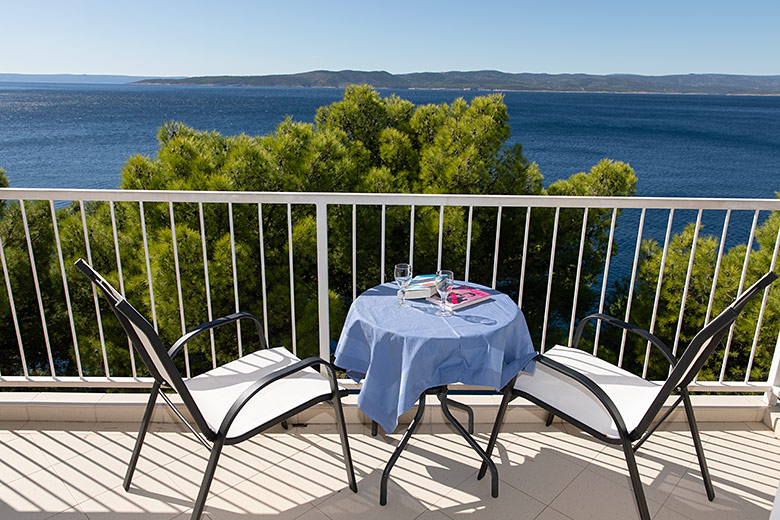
206,38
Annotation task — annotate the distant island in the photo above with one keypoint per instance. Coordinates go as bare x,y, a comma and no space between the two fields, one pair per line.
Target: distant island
493,80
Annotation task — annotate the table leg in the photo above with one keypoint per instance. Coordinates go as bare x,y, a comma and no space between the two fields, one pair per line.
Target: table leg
496,428
401,445
465,408
442,395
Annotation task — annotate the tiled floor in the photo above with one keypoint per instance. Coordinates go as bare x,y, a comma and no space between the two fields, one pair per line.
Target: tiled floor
63,471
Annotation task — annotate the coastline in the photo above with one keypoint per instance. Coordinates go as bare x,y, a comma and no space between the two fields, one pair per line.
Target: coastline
463,89
497,81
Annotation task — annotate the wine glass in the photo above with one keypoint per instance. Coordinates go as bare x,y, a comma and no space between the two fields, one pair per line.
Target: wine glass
403,275
444,283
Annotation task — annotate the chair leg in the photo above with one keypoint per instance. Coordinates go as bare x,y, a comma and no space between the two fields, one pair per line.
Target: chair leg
636,481
342,427
208,477
401,445
467,409
374,430
705,472
550,417
496,429
139,440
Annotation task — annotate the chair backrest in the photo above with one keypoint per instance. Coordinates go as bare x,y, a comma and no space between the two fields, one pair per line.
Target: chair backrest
145,340
702,346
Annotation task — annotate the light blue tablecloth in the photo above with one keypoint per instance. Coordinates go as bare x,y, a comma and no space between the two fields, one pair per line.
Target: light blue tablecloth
401,352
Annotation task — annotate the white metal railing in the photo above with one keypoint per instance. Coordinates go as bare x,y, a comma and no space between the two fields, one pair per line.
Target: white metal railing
21,376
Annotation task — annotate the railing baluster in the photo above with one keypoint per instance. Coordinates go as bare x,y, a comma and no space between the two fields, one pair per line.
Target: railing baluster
715,275
235,278
37,288
382,248
525,256
687,284
22,357
718,261
148,265
550,277
209,313
411,238
658,289
441,234
121,280
178,287
292,278
748,249
94,290
468,244
323,300
262,270
761,312
579,273
354,252
65,289
634,267
495,254
605,279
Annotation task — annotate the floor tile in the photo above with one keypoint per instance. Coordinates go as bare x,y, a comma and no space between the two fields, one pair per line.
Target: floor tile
402,503
39,494
731,500
68,514
551,514
150,496
261,496
662,461
591,496
473,499
19,457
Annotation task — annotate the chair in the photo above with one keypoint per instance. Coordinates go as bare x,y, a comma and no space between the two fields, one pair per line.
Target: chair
612,404
232,402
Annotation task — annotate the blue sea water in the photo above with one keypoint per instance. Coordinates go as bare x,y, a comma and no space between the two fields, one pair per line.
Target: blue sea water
79,136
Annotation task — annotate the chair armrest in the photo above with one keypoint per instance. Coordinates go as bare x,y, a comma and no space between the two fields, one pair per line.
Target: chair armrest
270,378
589,385
211,325
652,338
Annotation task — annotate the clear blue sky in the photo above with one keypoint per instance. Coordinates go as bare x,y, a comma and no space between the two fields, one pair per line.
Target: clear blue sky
192,38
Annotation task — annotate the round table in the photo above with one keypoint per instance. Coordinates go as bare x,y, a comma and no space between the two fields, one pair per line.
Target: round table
401,353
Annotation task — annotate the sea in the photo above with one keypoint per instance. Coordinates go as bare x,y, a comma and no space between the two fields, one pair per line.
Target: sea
80,135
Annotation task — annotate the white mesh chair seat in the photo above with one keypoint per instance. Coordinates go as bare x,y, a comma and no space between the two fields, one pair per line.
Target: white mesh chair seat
631,394
213,389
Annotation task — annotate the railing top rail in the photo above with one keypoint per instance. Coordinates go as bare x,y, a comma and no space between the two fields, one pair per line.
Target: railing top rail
392,199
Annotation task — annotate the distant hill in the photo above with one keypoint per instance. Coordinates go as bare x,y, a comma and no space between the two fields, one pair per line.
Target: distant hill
72,78
495,80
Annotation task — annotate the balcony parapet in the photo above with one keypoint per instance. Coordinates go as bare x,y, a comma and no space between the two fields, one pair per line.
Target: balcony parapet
98,407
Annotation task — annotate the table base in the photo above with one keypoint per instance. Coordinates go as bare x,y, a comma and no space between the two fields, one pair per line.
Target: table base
441,394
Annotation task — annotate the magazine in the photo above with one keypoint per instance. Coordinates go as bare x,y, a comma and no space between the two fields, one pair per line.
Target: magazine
461,296
421,286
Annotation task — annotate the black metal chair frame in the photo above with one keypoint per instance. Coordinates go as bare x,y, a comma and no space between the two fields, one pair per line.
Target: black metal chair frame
166,376
683,372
